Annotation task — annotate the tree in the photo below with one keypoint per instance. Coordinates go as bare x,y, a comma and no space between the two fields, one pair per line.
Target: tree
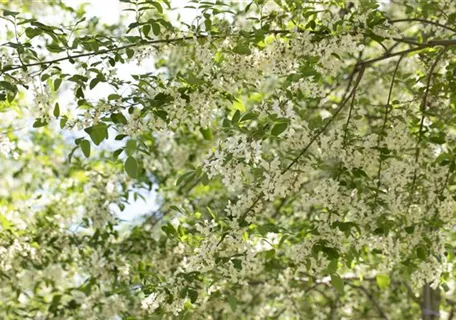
303,153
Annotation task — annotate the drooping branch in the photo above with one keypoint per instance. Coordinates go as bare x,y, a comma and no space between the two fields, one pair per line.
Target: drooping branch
375,303
323,129
343,103
344,139
382,133
423,116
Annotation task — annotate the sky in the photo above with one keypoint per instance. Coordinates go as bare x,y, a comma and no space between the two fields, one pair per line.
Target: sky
109,12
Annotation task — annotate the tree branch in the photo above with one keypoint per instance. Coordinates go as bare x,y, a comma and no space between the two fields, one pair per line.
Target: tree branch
423,115
382,133
339,109
100,52
430,44
173,40
422,21
377,306
314,138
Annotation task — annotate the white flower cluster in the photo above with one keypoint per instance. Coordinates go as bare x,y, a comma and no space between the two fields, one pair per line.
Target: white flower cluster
10,253
7,147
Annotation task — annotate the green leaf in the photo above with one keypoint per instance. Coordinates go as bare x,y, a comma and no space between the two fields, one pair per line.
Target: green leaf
242,48
156,29
12,91
421,252
236,117
130,147
8,86
87,286
94,82
85,147
249,116
55,48
383,281
146,30
131,167
193,295
98,132
183,292
175,208
157,6
233,302
55,303
120,137
116,153
205,179
338,283
63,122
208,24
57,83
57,110
169,229
279,128
184,177
9,13
207,133
141,265
118,118
332,266
32,32
438,138
11,96
130,53
113,96
39,123
238,263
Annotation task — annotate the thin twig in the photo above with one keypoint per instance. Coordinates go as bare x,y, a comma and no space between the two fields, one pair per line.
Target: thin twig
430,44
165,41
350,110
423,115
100,52
377,306
411,293
351,107
314,138
323,129
385,121
423,21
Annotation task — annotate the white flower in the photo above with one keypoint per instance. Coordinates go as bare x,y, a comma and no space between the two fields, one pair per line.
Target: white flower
152,302
6,146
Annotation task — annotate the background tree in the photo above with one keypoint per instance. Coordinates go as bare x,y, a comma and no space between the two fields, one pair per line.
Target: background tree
302,152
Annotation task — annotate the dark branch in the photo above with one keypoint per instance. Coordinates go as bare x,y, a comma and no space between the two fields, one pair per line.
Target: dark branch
382,133
342,105
423,21
423,115
377,306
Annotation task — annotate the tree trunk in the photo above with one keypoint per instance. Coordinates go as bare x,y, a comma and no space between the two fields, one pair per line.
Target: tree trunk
431,303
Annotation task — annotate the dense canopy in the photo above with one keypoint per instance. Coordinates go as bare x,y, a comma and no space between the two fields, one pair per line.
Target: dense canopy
301,156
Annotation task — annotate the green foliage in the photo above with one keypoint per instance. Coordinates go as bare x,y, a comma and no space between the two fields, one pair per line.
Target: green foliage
131,167
300,156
